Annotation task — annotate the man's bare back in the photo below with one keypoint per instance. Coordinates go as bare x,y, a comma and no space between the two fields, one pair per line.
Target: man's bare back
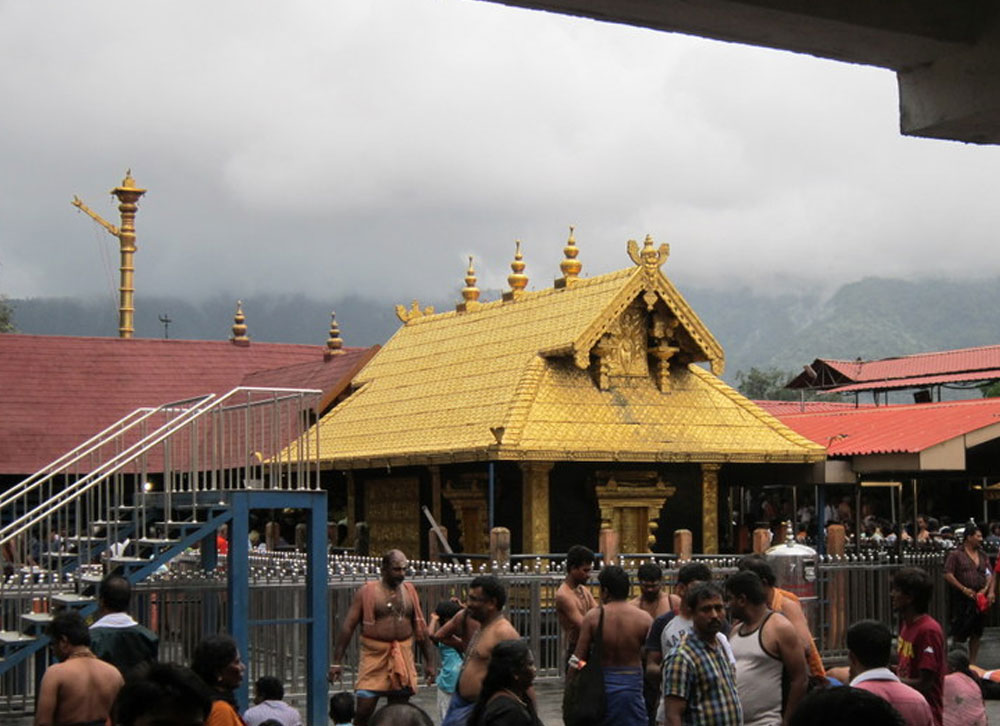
477,657
624,632
81,689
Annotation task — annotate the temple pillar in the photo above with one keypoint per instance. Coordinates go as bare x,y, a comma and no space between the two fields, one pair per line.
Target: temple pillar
535,501
630,504
468,499
710,508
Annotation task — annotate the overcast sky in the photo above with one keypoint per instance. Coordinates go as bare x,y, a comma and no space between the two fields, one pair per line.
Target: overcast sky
368,146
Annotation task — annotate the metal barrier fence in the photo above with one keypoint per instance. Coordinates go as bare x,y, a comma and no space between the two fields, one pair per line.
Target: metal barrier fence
856,587
181,604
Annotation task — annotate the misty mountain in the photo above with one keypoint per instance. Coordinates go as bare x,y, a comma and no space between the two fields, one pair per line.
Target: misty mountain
871,318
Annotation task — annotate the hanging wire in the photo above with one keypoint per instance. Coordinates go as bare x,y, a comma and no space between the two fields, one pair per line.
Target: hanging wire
106,264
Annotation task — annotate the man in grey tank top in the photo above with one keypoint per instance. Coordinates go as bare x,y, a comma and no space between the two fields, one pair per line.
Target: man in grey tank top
768,654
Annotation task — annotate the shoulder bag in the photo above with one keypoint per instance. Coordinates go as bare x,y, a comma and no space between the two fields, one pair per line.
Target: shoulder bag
584,700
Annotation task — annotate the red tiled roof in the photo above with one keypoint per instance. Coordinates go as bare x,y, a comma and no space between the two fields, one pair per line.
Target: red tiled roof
893,429
966,364
56,392
330,375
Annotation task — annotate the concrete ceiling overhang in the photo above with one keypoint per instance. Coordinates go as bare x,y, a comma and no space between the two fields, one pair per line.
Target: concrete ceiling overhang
946,55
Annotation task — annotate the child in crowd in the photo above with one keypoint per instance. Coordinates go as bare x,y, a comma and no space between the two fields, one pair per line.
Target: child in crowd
451,659
342,708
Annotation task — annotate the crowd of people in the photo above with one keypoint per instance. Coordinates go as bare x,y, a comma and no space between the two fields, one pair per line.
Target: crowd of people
735,651
739,652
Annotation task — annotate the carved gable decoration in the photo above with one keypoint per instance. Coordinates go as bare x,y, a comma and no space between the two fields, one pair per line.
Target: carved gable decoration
647,330
639,343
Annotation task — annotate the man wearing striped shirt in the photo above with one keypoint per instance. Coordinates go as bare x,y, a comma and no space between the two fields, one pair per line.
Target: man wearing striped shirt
699,682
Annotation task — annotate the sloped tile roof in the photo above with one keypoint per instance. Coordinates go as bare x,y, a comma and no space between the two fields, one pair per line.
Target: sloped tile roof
500,382
57,391
894,429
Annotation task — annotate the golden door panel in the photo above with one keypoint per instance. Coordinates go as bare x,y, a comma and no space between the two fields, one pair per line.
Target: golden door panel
392,508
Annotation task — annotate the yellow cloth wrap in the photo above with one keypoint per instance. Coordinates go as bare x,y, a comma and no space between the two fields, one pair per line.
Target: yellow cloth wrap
386,665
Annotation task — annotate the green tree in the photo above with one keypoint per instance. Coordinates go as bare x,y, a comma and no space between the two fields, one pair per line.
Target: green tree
991,389
766,384
6,316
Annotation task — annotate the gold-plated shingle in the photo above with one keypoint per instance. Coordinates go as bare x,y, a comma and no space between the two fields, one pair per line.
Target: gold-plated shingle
445,384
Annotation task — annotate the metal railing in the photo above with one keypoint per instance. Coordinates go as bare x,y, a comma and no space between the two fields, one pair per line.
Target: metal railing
184,602
129,490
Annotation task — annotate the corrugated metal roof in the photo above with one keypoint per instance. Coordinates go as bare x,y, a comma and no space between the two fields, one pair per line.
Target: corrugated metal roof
57,391
782,408
893,429
921,364
897,383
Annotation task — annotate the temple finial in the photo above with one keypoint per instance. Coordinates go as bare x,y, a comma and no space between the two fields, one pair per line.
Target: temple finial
517,279
648,257
334,343
470,293
240,336
570,266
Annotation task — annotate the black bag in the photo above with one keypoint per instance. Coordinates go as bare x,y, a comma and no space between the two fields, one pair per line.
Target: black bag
584,701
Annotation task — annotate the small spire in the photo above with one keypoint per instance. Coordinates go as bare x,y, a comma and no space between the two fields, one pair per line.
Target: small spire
570,266
470,293
334,344
517,279
240,336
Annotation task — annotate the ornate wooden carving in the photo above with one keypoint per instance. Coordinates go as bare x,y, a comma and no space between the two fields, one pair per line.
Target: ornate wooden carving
630,503
467,496
392,509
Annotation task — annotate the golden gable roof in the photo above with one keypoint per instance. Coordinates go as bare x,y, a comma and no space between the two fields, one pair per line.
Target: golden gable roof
594,369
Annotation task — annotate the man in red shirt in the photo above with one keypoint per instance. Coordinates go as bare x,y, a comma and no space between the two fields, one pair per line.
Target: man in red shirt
922,657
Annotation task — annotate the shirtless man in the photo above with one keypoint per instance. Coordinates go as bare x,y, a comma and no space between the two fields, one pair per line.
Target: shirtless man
652,598
390,617
768,654
573,598
623,634
80,690
484,604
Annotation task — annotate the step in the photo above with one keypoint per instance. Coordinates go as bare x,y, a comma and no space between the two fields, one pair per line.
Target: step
71,600
15,638
89,578
157,543
119,523
12,641
35,623
125,561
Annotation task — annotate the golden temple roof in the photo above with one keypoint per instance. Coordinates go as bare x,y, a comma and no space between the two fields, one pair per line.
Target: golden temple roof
601,370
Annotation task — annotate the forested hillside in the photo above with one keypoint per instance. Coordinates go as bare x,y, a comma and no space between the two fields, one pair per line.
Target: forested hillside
872,318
